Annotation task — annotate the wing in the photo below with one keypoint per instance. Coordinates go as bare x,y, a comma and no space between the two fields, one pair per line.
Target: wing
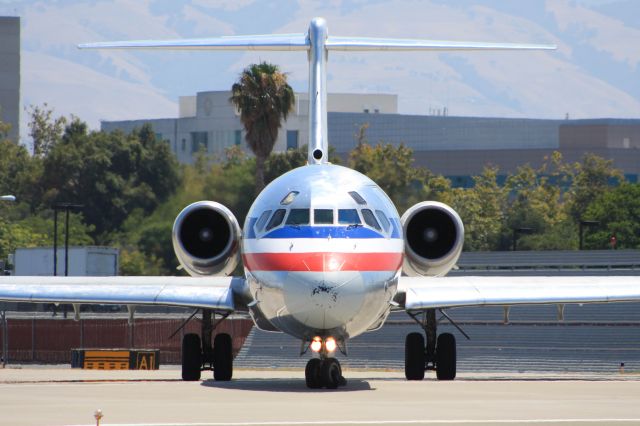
220,293
417,293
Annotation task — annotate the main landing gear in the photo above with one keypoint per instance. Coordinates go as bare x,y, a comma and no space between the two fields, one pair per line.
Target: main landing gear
198,354
324,373
438,354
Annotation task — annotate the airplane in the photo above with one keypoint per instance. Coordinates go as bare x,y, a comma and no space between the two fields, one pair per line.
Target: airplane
326,255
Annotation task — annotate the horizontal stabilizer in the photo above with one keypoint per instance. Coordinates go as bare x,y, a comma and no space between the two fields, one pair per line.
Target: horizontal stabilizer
284,42
254,42
365,44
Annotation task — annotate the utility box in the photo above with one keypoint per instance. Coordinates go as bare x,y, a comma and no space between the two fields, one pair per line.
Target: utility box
89,261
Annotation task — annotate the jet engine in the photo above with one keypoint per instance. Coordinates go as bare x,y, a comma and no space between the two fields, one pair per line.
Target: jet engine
434,235
206,239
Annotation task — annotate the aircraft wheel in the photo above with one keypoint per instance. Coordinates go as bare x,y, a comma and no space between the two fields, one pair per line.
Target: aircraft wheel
191,357
330,373
312,373
414,356
446,357
222,357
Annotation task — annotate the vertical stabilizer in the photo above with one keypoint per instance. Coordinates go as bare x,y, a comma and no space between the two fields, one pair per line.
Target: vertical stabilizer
318,144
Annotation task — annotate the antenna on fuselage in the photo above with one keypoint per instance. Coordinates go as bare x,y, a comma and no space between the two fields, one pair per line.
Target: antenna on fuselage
318,44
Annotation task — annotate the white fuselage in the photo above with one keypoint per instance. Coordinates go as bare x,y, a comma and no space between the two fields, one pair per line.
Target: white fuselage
322,249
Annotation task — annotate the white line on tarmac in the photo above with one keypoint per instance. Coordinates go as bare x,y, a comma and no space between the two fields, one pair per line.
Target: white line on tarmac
383,422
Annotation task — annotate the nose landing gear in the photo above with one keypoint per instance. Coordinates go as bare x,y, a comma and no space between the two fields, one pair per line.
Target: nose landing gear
324,373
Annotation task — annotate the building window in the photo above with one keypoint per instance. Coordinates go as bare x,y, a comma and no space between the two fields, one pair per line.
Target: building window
238,137
292,139
184,144
158,136
199,140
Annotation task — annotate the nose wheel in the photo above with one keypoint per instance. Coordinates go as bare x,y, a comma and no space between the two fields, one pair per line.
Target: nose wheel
324,373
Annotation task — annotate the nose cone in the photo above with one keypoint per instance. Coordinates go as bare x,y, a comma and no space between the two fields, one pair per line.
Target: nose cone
324,300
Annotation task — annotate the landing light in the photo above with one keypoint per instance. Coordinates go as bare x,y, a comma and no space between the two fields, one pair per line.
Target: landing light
316,344
330,344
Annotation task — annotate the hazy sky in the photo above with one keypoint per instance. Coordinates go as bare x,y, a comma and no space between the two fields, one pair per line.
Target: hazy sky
594,73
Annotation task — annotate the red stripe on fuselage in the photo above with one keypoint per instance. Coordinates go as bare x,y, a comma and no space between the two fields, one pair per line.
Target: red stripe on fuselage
322,262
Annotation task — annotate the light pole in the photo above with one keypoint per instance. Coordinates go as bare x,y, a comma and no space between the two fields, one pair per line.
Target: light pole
587,223
67,207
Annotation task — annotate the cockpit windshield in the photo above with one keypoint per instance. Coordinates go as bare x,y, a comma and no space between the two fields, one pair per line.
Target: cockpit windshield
348,217
276,219
298,217
323,216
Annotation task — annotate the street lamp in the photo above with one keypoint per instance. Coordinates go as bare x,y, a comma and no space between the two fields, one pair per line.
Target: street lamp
520,231
67,207
587,223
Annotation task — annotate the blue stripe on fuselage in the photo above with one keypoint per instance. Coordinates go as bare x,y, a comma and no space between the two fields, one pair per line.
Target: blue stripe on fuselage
289,231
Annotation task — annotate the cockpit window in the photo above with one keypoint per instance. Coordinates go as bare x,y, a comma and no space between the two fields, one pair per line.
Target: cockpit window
348,217
288,199
262,220
323,216
276,219
298,217
358,198
383,220
370,219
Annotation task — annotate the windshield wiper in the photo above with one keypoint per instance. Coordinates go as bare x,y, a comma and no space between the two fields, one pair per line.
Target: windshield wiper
354,226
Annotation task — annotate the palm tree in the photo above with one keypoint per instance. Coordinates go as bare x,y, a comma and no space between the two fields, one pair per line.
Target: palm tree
264,99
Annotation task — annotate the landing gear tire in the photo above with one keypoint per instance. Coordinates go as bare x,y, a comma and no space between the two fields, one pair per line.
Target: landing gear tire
446,357
414,356
330,373
191,357
312,373
324,373
222,357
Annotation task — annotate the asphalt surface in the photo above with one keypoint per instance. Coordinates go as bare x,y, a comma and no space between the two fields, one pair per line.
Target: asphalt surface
62,396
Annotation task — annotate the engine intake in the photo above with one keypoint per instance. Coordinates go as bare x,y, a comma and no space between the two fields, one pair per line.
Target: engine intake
206,238
434,235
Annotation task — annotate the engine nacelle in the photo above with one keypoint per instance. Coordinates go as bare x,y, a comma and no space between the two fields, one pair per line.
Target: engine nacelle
206,239
434,235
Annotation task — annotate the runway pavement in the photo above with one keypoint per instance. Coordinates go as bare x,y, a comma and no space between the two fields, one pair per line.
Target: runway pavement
62,396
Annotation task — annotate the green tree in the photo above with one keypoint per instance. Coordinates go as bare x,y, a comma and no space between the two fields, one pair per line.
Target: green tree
111,174
591,178
264,99
481,209
44,129
618,211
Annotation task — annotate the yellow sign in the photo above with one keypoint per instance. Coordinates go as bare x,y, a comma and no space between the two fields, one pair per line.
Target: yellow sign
106,360
146,361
